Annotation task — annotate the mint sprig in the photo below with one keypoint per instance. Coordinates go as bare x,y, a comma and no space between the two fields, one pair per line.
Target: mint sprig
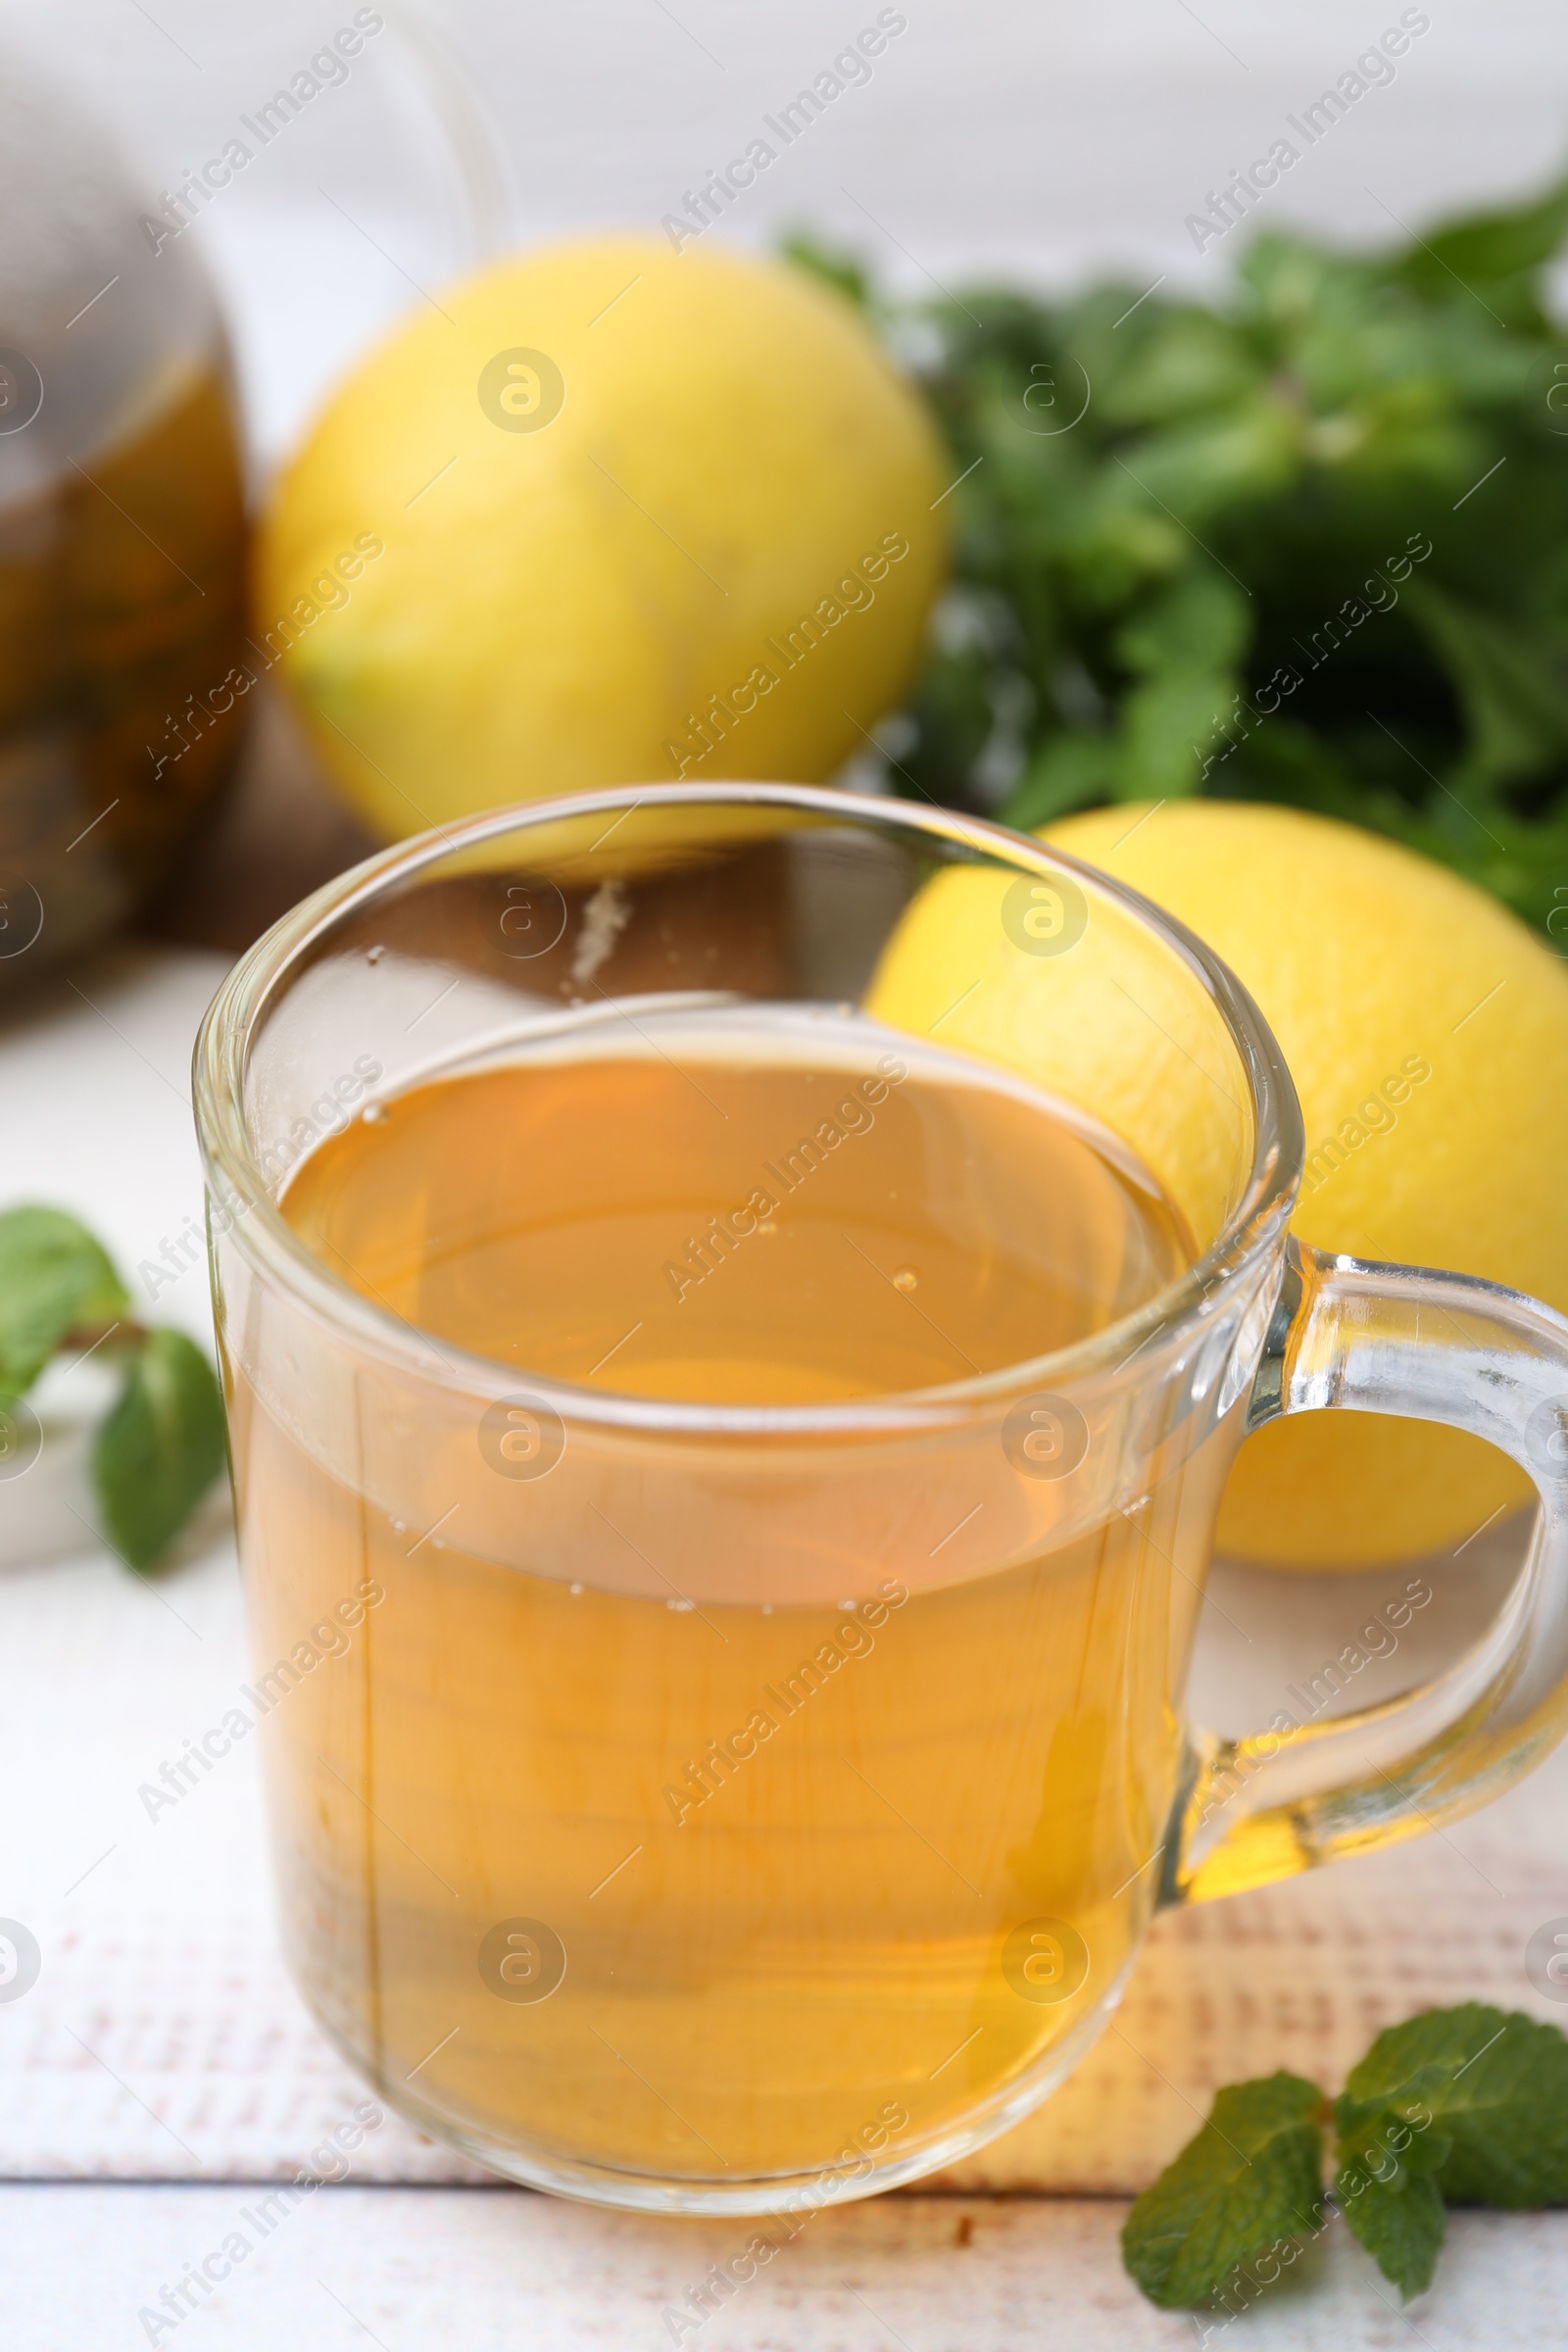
1298,542
163,1443
1464,2106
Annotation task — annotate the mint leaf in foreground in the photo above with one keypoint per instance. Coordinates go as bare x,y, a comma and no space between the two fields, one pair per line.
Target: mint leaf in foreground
1496,2086
53,1279
1384,2181
1251,2177
161,1448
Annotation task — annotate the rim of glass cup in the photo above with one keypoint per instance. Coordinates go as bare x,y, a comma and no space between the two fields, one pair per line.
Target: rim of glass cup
244,998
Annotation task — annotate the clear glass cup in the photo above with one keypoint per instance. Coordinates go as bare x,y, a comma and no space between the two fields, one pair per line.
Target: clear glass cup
732,1807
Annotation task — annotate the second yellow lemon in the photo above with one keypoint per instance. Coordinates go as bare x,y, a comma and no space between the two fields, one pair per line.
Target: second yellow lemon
1427,1033
604,514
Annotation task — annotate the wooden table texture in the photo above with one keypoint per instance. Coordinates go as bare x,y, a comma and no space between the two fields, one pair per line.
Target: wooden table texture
163,2070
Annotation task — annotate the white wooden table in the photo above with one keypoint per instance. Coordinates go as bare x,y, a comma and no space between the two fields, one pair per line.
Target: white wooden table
500,2271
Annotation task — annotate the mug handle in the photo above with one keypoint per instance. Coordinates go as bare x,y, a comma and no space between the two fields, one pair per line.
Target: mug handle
1380,1339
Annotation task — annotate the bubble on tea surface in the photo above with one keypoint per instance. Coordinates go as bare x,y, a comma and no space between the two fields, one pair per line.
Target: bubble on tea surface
521,1960
906,1279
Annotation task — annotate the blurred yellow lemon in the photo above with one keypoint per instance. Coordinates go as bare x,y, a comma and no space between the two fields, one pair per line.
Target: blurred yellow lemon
1427,1033
604,514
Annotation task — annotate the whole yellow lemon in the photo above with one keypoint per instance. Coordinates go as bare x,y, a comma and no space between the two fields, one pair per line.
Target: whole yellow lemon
602,514
1427,1033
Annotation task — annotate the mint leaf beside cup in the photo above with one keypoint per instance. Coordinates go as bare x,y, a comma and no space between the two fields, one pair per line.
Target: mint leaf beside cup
161,1448
163,1442
55,1281
1464,2106
1249,2183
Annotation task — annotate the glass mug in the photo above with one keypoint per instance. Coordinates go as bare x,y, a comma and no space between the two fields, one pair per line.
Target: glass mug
713,1806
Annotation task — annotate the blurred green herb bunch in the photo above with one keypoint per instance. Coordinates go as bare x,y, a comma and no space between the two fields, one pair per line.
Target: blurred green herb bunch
1310,547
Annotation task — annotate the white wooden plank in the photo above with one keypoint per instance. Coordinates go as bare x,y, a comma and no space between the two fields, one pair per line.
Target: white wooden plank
497,2272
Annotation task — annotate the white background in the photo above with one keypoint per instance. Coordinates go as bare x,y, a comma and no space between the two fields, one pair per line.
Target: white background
1033,138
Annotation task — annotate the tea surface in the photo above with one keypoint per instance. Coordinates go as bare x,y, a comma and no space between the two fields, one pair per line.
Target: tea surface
768,1231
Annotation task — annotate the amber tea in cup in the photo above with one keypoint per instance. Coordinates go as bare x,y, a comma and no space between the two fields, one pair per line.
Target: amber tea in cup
728,1454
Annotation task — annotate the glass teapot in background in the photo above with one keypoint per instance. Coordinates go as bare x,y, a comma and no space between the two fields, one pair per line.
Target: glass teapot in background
135,411
121,535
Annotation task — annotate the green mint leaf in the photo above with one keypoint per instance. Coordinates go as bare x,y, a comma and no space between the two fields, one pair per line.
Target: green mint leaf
1067,772
1507,680
1200,621
1400,2222
1189,362
1173,734
1386,2183
832,263
54,1278
1489,246
1239,455
1250,2177
1495,2087
161,1448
